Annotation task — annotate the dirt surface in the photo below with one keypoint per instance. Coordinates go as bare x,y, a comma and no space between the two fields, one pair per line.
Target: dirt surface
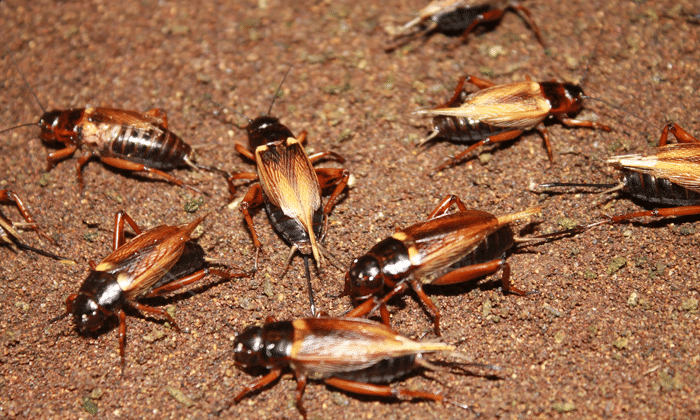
613,331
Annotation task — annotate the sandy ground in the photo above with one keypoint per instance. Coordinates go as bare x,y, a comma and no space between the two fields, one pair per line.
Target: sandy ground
613,331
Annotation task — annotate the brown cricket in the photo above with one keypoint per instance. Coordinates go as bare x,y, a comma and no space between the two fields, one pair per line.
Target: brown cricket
154,262
459,17
448,248
498,113
289,187
124,139
671,177
355,355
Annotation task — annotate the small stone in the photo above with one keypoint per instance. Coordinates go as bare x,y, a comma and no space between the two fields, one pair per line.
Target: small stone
170,310
486,308
22,305
91,236
621,343
340,399
564,407
685,230
90,406
96,394
246,304
616,264
633,300
267,286
486,71
572,63
690,305
155,335
484,158
495,51
179,396
193,205
44,179
567,223
669,383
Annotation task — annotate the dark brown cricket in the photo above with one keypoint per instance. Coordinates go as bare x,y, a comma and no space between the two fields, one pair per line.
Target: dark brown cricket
671,177
289,187
352,354
448,248
152,263
498,113
459,17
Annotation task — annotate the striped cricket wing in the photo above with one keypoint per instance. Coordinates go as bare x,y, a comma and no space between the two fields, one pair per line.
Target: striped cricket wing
289,180
440,242
679,163
123,117
519,105
324,346
141,262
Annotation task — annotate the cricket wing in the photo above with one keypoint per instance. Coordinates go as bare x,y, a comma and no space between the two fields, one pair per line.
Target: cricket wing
440,242
679,163
433,8
144,260
123,117
519,105
289,180
324,346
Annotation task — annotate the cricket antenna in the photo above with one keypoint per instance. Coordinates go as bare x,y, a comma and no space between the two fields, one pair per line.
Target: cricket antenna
610,104
594,53
9,54
48,254
220,105
278,90
609,188
17,126
590,60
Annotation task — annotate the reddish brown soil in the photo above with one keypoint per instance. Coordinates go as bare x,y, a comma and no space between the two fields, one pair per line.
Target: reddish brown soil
596,341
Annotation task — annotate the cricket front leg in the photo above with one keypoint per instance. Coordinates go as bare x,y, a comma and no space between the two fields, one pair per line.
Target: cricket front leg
53,158
253,199
366,307
259,384
572,122
492,15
